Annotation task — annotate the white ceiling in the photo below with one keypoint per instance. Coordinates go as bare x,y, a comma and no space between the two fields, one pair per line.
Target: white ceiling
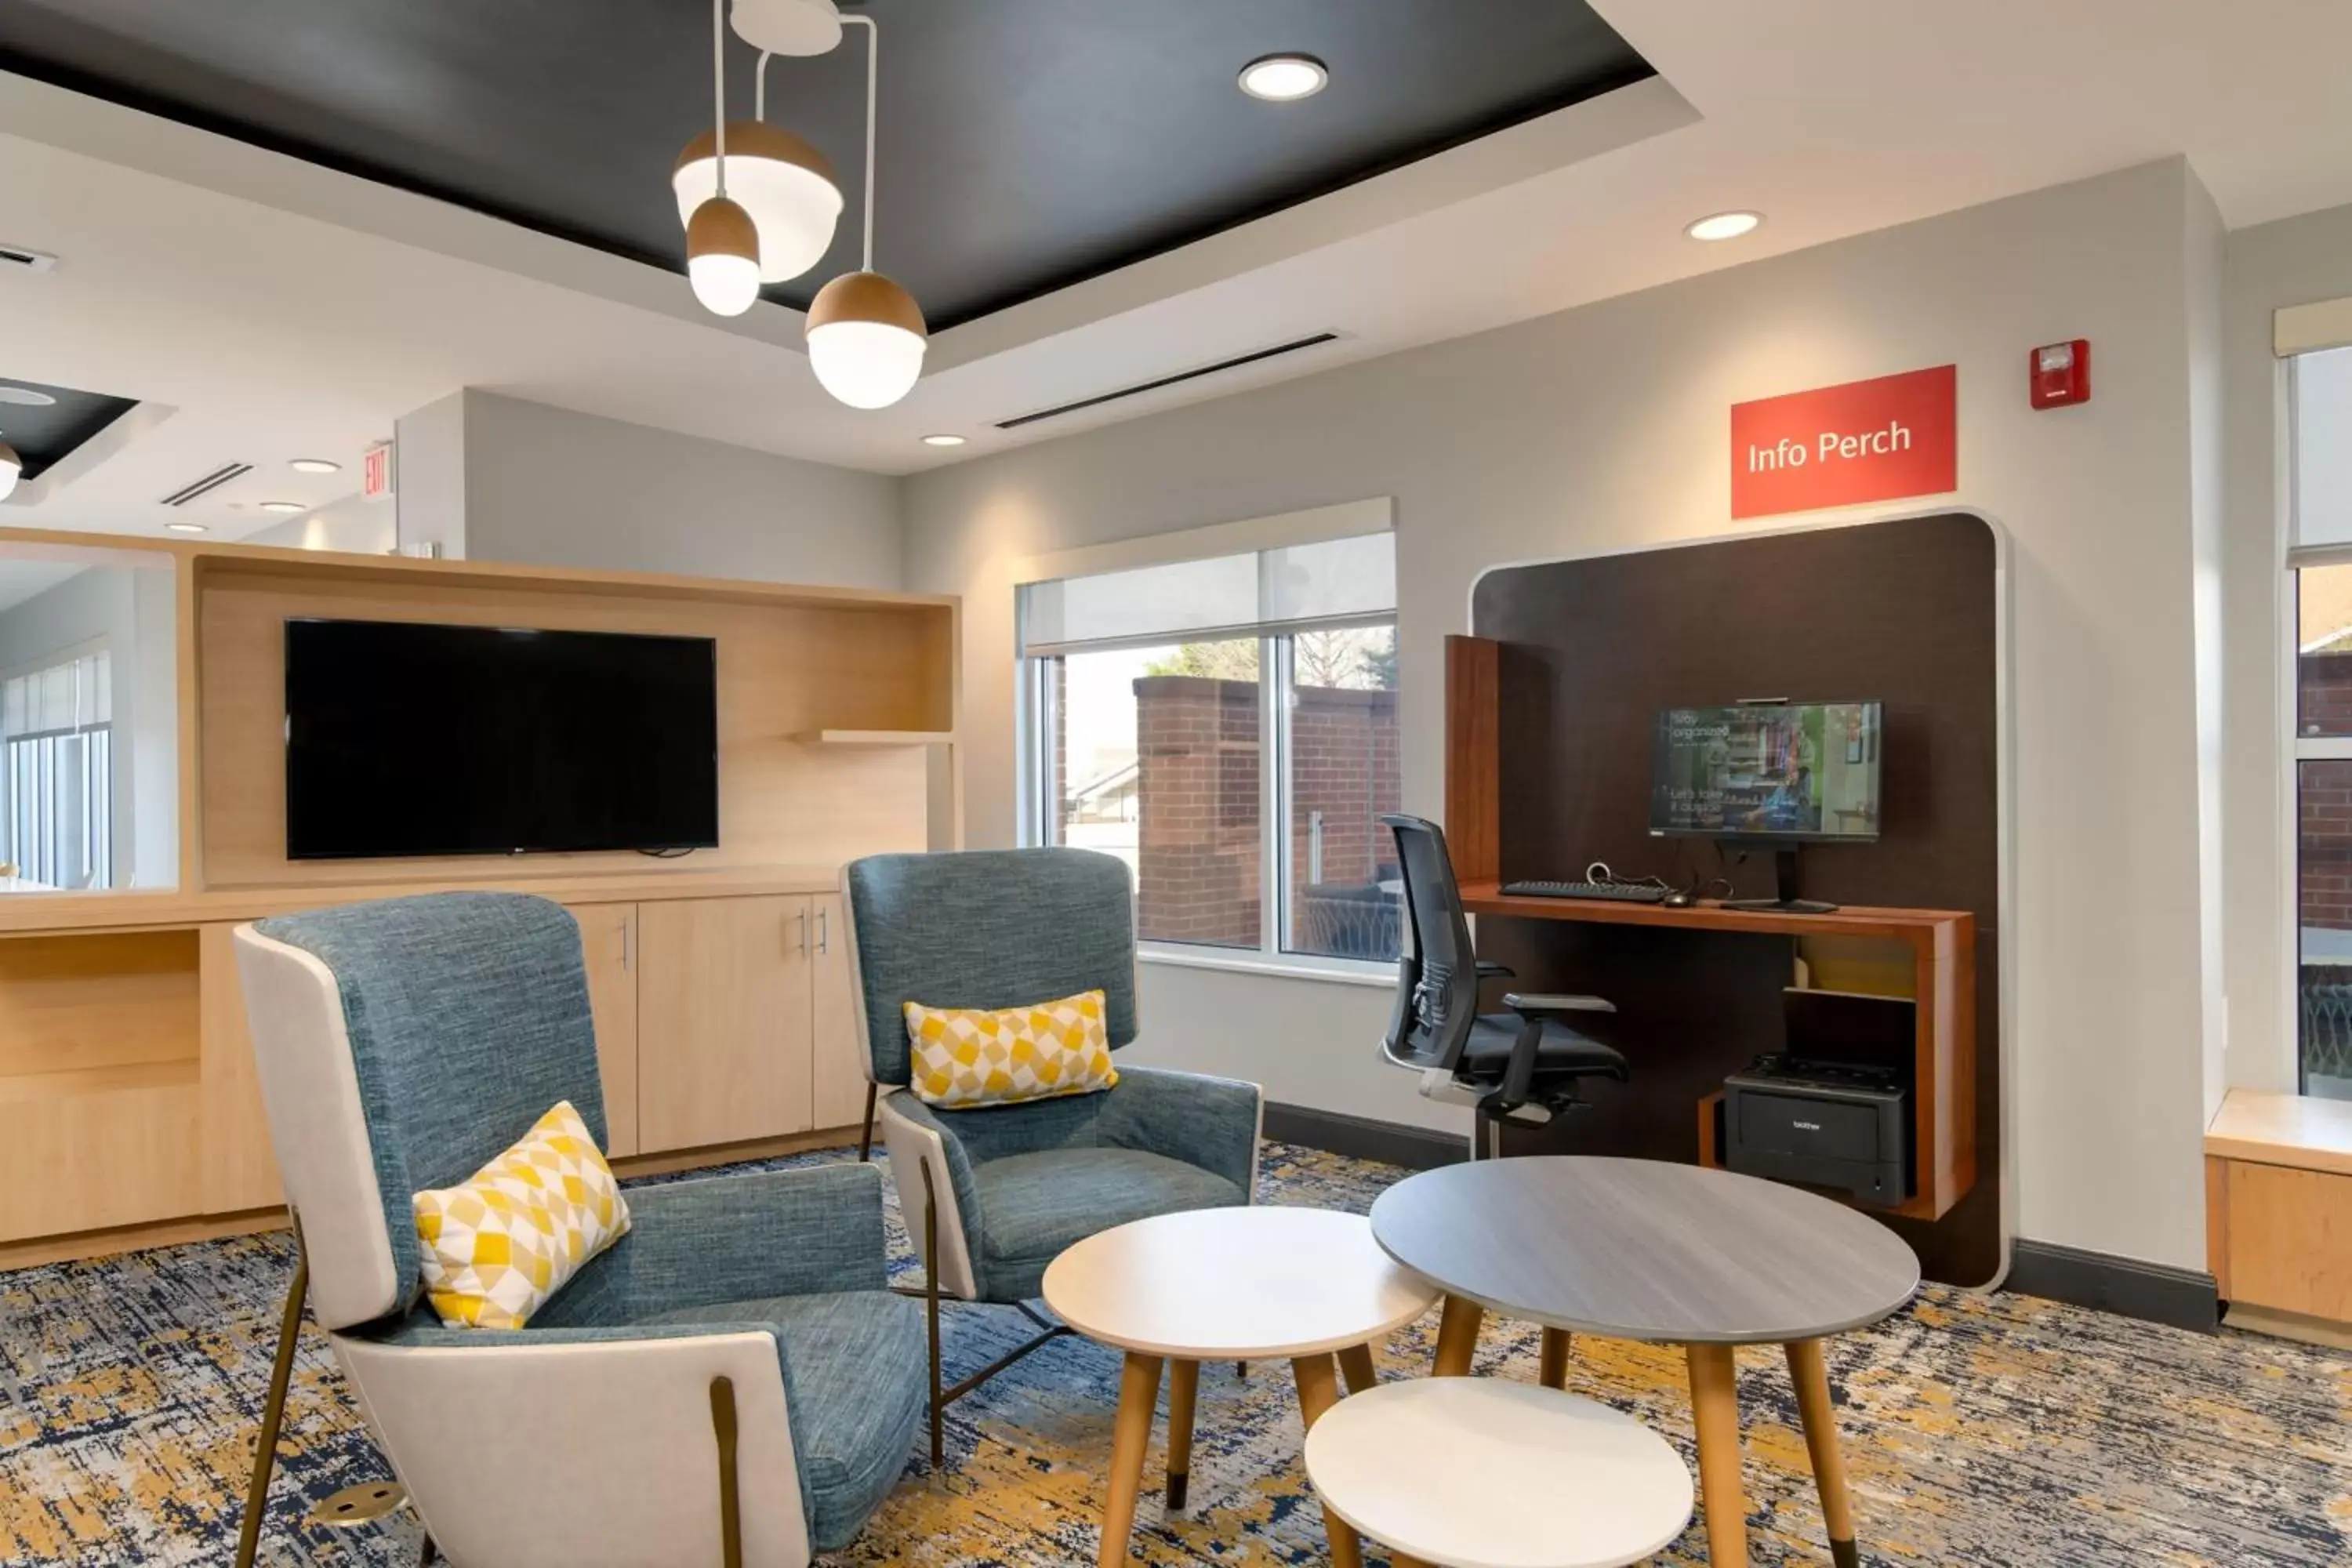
283,310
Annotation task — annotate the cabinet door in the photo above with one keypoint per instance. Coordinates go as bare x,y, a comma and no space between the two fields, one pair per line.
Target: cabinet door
239,1170
723,1038
608,943
840,1060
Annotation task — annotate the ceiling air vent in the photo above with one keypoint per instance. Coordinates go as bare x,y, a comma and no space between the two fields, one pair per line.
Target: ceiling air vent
1183,376
208,484
18,256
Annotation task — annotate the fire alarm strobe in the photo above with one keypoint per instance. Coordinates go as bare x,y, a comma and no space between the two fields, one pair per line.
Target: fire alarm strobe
2059,373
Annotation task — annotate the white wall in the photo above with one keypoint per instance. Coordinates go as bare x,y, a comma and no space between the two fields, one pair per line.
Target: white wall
132,610
1603,428
554,487
354,525
2297,261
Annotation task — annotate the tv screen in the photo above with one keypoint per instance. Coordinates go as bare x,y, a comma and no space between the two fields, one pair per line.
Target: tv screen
1782,770
405,739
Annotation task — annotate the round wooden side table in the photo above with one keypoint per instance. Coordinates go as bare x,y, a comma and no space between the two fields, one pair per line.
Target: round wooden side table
1232,1284
1645,1249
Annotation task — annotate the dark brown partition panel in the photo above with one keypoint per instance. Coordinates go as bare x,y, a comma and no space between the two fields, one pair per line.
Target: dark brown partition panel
1591,650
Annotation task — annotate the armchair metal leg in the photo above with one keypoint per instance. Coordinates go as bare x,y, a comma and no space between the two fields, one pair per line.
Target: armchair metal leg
730,1505
944,1393
273,1412
932,1311
866,1137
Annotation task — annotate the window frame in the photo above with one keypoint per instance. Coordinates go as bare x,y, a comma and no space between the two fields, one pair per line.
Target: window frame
99,753
1036,719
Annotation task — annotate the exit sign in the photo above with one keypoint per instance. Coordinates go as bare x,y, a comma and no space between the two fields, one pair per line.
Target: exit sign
1840,445
375,472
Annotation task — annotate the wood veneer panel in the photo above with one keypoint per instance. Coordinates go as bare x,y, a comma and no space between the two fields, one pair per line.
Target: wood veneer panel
2290,1239
784,669
78,1003
1473,743
240,1169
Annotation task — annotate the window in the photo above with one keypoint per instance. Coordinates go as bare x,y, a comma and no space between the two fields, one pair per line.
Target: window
1250,824
2321,746
56,773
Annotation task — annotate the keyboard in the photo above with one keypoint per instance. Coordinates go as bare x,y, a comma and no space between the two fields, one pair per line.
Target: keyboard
1614,892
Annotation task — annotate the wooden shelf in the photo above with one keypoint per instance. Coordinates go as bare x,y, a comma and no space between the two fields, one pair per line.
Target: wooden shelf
2290,1129
876,737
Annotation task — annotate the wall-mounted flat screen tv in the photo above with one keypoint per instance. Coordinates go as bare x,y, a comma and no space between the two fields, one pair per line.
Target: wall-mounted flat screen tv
405,739
1777,770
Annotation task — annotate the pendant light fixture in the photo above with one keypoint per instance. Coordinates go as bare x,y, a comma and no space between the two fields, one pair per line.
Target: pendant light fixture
865,333
722,245
786,185
12,469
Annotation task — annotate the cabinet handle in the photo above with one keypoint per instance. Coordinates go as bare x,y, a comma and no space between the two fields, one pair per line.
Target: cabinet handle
824,933
804,930
628,956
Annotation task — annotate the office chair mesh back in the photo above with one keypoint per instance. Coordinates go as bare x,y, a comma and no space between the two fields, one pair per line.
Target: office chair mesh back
1437,982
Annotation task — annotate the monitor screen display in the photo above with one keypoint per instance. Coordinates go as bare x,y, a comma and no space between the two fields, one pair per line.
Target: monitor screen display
405,739
1784,770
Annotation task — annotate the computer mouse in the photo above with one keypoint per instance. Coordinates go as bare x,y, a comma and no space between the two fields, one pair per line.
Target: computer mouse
1678,899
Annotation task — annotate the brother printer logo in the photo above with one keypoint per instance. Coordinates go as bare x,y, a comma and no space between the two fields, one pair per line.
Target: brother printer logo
1806,1126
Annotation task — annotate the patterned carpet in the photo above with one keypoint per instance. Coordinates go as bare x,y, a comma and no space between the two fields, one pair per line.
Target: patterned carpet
1995,1429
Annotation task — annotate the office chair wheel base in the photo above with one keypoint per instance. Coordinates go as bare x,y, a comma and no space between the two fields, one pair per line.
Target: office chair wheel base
355,1506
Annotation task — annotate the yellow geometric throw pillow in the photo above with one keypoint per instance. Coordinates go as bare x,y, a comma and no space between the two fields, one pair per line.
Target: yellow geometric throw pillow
499,1244
970,1056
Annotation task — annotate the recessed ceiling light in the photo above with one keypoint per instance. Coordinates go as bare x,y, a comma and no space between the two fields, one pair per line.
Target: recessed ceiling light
1724,225
282,506
943,440
187,527
1284,78
25,397
314,466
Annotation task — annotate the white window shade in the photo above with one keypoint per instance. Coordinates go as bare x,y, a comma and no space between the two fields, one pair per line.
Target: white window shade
2322,394
1290,586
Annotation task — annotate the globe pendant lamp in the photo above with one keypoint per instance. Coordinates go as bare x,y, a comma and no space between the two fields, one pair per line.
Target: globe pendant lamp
787,186
12,469
722,245
865,333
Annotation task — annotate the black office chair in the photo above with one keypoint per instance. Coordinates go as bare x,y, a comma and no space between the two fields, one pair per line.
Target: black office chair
1506,1062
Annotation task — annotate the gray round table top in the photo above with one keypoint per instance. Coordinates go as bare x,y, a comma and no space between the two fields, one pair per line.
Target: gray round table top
1645,1249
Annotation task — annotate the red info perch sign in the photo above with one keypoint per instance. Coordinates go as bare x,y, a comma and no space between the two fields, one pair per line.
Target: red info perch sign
1837,446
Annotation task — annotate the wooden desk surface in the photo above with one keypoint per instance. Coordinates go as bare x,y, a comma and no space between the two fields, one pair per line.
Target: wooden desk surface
1487,898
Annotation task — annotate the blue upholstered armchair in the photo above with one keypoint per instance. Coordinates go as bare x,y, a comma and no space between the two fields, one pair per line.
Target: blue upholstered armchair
1002,1191
732,1367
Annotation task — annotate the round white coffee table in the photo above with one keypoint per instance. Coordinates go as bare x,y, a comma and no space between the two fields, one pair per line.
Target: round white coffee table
1481,1473
1232,1284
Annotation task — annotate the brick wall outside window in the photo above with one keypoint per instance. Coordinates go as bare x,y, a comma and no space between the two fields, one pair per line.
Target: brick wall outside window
1197,740
2323,794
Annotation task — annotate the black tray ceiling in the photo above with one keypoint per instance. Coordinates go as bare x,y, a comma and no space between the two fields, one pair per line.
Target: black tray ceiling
1025,144
43,435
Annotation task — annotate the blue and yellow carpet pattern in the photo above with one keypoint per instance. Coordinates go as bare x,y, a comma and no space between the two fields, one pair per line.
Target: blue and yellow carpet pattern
1996,1429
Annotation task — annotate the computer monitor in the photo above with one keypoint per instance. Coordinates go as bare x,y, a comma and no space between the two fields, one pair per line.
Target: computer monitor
1774,774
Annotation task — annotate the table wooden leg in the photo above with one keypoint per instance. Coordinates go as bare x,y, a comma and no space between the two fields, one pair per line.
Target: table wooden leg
1714,1405
1457,1337
1356,1366
1138,1391
1318,1390
1554,1373
1811,1375
1183,1384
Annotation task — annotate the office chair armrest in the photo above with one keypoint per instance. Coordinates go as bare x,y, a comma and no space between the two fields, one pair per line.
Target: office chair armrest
1490,971
1547,1005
